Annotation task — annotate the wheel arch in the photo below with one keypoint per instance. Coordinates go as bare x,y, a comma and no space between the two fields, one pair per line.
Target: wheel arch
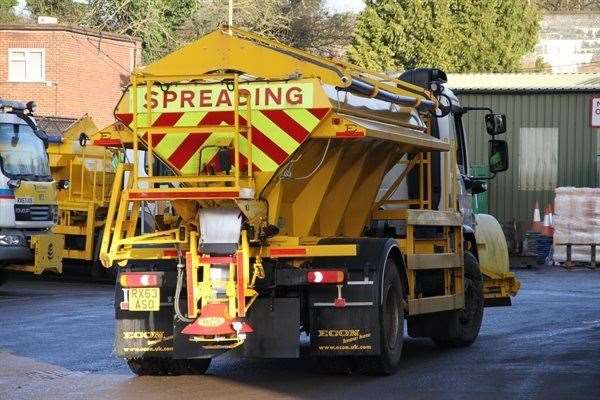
395,254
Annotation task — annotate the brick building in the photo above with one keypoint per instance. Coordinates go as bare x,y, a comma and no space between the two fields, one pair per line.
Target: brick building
68,71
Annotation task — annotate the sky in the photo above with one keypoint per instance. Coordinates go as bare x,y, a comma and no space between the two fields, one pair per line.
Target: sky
345,5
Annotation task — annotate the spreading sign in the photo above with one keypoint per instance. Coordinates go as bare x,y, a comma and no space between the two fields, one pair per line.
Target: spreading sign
595,112
220,97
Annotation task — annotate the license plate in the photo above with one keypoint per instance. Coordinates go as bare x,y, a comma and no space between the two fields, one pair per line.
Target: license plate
144,299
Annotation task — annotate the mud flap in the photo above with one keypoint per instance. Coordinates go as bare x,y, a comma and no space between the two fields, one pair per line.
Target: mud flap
351,328
348,331
145,334
48,251
277,333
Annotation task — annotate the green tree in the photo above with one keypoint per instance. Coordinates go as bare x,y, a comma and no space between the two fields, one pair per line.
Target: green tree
7,14
164,25
154,21
455,35
306,24
66,11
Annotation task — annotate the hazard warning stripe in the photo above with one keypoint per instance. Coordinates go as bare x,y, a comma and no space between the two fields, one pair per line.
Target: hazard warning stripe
190,146
259,158
320,113
287,124
276,134
126,118
190,118
167,119
303,117
156,138
269,147
259,139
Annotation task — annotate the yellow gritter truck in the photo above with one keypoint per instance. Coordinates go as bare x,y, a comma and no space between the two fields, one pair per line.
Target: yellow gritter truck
291,194
28,194
83,206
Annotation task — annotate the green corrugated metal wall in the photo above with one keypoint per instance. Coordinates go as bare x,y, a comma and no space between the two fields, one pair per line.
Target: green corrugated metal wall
577,144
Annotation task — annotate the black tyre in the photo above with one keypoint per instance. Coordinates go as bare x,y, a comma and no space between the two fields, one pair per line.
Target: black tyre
391,314
155,366
469,318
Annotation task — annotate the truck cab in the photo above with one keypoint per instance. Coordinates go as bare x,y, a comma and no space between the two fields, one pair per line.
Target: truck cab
481,231
28,205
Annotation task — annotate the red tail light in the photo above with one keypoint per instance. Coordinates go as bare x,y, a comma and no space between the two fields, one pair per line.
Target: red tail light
140,279
326,276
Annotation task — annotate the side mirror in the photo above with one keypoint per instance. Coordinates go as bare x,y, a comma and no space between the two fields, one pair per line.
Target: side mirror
495,124
474,185
498,155
63,184
478,187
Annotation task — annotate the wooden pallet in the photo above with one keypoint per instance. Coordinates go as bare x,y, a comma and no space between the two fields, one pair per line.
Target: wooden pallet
570,264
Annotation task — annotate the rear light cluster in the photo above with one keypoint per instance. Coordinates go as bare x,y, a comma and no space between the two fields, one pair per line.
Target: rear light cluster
140,279
326,276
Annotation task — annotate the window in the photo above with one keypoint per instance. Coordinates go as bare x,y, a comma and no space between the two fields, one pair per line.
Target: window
26,65
538,158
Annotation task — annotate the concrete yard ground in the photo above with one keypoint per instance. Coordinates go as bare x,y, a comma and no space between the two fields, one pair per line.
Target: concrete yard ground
56,343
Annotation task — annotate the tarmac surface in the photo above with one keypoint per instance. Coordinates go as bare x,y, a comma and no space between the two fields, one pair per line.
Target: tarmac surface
56,343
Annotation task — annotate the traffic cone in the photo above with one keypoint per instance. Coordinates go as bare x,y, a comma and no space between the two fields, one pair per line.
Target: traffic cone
546,228
537,222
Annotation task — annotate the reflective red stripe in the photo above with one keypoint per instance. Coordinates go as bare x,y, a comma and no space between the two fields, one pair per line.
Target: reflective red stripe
108,142
126,118
156,138
167,119
350,134
270,148
288,251
170,253
216,117
172,195
217,260
259,139
287,124
186,150
320,113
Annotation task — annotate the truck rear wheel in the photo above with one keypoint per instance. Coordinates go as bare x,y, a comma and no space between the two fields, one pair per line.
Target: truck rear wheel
469,318
168,366
391,314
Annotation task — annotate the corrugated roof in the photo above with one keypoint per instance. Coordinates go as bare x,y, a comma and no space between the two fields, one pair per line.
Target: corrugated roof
54,125
525,82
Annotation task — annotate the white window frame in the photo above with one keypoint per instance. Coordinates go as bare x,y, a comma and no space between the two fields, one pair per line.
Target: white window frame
26,51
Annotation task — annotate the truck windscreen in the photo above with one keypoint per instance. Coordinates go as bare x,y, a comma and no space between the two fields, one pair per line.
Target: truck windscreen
22,153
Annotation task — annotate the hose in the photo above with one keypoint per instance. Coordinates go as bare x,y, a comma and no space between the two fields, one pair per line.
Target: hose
287,174
178,287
